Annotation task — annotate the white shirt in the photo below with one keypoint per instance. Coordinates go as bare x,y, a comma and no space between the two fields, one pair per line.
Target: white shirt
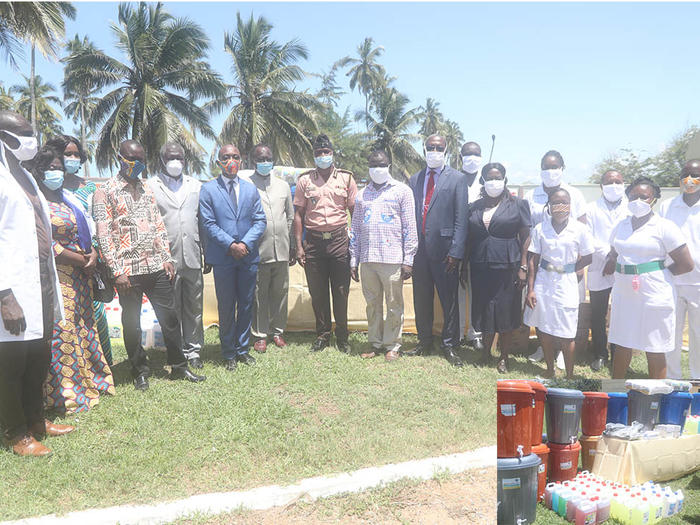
474,191
601,218
436,177
174,185
537,199
236,186
687,218
19,254
559,249
650,242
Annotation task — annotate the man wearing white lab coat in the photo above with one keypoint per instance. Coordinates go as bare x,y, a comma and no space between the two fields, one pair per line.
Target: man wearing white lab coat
30,294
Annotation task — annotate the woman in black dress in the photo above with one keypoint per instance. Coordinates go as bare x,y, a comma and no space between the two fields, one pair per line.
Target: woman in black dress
499,229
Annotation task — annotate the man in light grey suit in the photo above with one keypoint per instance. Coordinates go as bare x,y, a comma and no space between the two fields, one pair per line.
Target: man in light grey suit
441,198
271,291
177,196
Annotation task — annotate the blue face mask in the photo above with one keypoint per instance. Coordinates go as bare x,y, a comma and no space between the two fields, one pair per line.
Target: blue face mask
132,168
72,165
323,162
264,168
53,179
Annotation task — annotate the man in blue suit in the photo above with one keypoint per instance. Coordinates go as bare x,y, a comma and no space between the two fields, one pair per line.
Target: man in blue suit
233,222
441,198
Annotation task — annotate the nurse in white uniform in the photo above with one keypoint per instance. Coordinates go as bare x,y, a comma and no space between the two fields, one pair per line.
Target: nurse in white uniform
643,311
684,210
559,247
602,216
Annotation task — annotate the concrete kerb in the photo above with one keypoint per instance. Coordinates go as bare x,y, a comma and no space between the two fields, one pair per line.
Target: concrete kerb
263,498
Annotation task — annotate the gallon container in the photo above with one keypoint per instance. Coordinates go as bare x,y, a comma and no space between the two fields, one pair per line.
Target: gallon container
571,506
643,408
517,489
589,444
680,500
514,408
674,408
586,513
695,404
564,497
563,461
548,494
617,408
594,413
640,512
602,508
691,425
672,503
563,414
542,452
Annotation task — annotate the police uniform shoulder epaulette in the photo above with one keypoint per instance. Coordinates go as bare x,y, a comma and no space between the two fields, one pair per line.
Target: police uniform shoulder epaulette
341,170
309,173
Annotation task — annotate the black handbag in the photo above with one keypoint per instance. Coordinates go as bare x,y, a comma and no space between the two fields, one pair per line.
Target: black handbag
103,284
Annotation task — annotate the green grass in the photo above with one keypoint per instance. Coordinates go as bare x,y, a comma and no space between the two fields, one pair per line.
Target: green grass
292,416
690,485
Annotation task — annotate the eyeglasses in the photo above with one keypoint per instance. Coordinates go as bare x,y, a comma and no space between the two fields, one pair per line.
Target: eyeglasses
434,147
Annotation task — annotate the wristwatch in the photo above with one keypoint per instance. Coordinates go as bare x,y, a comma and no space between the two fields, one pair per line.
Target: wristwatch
523,268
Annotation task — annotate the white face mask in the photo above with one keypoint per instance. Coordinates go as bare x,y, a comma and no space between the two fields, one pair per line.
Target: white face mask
551,178
471,163
379,175
27,147
639,208
495,187
174,168
435,159
613,192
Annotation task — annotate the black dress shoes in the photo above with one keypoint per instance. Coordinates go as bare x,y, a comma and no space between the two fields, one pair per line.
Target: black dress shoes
186,373
231,364
451,357
420,349
343,347
597,364
319,344
195,362
246,359
141,382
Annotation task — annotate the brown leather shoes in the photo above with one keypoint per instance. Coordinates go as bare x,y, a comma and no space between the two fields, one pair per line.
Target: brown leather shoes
50,429
260,346
368,355
392,355
279,342
28,446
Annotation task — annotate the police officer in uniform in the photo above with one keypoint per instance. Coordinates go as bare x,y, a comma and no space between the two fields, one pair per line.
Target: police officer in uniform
322,200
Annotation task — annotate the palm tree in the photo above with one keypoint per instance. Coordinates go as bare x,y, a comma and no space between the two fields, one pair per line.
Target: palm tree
266,107
454,139
330,91
156,90
79,94
390,124
432,118
7,101
365,73
48,118
42,24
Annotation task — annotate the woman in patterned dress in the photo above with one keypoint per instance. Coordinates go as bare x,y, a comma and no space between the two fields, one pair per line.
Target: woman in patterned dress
73,159
78,371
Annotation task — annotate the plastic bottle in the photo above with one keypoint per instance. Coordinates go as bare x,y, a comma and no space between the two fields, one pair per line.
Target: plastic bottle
663,503
672,502
640,512
614,503
571,506
548,492
586,513
555,497
655,508
681,500
564,496
602,508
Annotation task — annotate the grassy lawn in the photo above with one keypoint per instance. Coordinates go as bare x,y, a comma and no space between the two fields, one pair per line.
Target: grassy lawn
292,416
690,485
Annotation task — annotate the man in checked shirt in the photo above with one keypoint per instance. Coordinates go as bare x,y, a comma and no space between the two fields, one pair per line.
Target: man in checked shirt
135,246
383,241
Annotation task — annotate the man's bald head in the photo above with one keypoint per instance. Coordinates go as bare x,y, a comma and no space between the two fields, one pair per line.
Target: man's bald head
691,169
171,150
612,177
14,123
229,151
132,150
436,140
471,148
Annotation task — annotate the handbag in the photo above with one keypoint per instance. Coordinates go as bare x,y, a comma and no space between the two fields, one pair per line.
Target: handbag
103,284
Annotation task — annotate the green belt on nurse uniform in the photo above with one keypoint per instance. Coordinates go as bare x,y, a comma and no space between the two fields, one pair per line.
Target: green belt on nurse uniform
636,269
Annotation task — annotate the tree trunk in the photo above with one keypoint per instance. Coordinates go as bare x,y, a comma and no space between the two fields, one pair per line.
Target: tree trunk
83,142
32,96
367,111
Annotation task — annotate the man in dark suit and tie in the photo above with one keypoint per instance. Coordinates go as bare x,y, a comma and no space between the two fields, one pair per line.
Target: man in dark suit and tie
441,198
233,222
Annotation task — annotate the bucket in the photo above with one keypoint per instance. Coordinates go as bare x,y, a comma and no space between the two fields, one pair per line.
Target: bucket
514,410
617,408
542,452
563,413
537,421
695,404
594,413
563,461
517,489
674,408
643,408
589,444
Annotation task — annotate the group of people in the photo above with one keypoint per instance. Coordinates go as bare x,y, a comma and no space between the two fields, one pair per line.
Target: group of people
460,232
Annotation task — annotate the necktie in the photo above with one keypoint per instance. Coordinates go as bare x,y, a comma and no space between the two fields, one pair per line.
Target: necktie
232,192
428,196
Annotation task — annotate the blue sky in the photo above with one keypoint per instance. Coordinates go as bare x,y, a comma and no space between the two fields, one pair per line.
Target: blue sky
584,78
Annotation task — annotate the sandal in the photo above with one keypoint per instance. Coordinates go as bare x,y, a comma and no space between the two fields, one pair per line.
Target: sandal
502,366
